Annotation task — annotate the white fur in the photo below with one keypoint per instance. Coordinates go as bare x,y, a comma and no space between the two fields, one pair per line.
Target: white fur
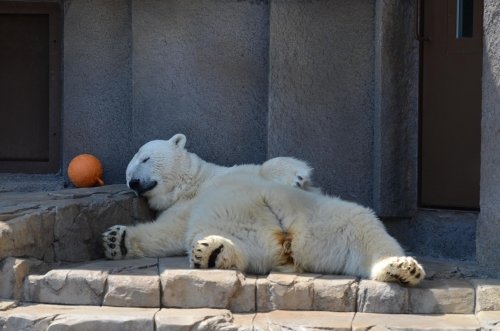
255,219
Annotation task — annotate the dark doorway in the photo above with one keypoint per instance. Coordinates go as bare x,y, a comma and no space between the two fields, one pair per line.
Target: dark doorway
29,87
450,114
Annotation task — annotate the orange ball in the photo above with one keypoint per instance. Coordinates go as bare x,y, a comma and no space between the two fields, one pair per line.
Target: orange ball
85,170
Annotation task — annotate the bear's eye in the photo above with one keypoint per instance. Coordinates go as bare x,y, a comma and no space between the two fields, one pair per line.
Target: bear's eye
145,160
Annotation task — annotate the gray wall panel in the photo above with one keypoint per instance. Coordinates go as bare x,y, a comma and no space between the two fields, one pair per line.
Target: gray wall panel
200,68
97,85
321,91
488,229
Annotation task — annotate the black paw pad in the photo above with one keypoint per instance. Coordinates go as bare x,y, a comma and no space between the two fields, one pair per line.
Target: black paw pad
123,249
214,255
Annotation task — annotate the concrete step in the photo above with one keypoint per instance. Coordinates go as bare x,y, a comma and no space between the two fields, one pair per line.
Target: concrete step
168,283
40,317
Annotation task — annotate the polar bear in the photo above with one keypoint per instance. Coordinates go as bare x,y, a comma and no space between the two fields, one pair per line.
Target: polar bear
252,218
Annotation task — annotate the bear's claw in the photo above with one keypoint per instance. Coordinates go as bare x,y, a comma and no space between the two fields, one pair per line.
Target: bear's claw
113,240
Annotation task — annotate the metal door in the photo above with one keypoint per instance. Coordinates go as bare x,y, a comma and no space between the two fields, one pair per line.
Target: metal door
29,87
450,116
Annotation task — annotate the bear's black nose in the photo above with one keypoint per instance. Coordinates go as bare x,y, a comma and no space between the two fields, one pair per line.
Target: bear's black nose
142,186
134,184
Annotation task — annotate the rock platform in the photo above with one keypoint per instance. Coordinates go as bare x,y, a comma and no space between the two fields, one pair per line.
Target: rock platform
53,277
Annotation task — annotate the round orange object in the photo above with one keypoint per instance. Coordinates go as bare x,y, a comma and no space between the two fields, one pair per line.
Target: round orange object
85,170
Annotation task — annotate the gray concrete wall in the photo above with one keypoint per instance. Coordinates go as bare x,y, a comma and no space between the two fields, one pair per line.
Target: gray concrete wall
488,227
200,68
97,90
395,120
321,91
437,233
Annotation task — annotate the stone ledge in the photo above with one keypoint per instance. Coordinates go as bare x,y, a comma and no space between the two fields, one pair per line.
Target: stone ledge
132,283
302,320
168,283
402,322
56,317
71,221
42,317
489,320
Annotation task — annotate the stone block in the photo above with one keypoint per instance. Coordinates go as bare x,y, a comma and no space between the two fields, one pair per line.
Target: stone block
303,320
7,304
58,318
380,297
244,299
451,296
78,227
263,295
285,292
487,294
12,274
132,291
403,322
64,286
489,320
194,319
20,236
199,288
335,293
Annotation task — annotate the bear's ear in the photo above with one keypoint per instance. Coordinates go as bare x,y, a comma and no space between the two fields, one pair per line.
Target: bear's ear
179,140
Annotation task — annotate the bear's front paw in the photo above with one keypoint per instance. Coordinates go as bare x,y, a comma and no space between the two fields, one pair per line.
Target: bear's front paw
113,241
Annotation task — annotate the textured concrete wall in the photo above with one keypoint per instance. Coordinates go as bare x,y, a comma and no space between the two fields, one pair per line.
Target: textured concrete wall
97,84
321,90
437,233
488,228
200,68
395,109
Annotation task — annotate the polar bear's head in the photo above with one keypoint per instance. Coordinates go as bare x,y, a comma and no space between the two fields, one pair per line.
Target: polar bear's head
154,169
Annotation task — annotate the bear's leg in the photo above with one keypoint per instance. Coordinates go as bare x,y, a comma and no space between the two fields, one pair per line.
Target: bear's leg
403,269
350,239
143,240
216,252
164,237
288,171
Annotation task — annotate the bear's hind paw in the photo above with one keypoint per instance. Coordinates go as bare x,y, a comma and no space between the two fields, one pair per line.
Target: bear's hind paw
113,240
213,252
404,270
